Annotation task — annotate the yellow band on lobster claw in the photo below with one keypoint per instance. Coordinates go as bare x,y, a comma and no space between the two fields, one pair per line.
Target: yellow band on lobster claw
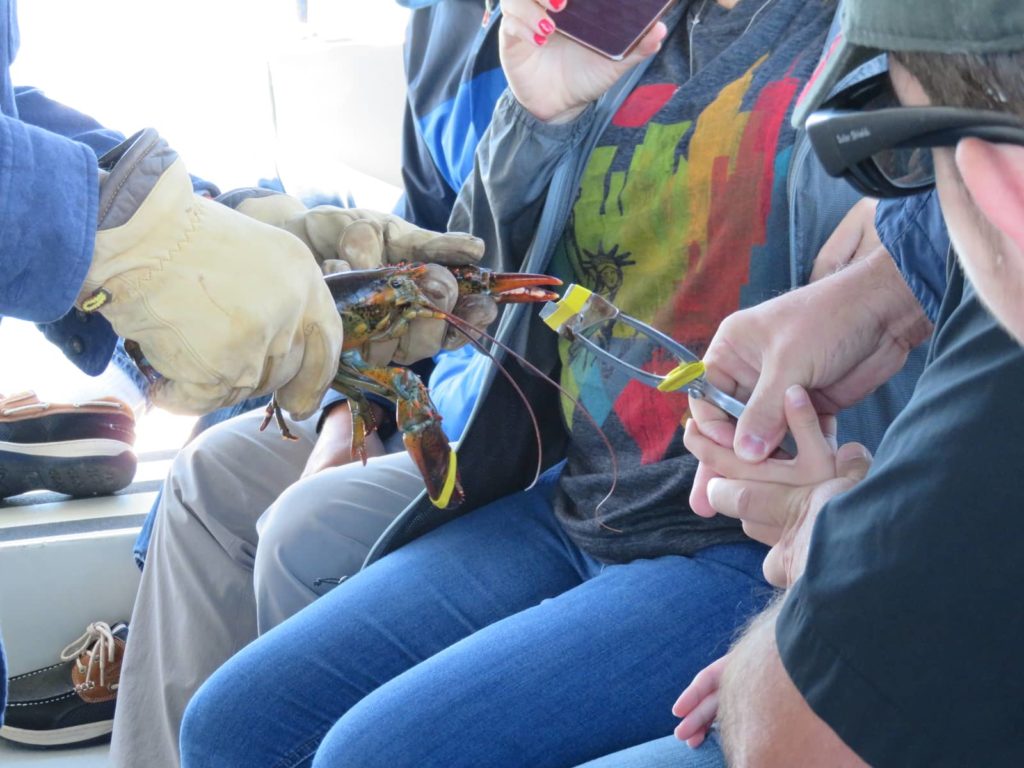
570,305
445,496
681,375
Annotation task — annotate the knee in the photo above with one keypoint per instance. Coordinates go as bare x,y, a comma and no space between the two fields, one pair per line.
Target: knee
313,532
366,739
205,737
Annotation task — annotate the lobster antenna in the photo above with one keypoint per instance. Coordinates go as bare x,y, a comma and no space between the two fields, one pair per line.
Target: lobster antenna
457,324
465,327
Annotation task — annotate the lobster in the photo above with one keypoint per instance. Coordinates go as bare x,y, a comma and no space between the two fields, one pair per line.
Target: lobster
378,305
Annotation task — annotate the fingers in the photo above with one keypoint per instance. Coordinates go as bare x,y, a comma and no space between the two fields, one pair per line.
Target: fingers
769,534
774,568
699,502
478,310
695,726
439,286
425,336
853,461
300,397
649,45
367,239
724,462
714,423
704,683
762,424
359,244
528,21
815,448
404,242
853,238
320,330
757,504
698,704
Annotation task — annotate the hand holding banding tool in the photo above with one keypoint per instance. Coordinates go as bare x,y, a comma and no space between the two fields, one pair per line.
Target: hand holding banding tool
579,312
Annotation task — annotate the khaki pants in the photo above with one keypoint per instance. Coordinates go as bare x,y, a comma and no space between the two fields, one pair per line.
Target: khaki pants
239,546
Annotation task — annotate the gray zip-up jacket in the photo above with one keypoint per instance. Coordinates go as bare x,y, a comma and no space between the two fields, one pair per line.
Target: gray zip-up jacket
518,200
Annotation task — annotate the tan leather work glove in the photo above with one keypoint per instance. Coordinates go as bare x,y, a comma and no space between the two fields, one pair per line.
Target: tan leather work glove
222,306
354,238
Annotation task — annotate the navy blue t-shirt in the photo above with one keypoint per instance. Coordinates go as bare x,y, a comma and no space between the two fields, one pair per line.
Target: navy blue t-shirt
904,634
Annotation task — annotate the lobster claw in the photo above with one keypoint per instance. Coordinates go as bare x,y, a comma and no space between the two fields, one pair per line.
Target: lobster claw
436,459
506,287
522,287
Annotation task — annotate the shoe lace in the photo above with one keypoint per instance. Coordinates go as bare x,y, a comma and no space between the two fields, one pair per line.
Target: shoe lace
93,650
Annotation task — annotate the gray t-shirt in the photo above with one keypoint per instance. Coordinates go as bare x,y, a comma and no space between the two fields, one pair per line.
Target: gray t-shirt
681,218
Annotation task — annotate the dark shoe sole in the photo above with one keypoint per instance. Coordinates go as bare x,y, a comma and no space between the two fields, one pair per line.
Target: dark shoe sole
77,735
109,468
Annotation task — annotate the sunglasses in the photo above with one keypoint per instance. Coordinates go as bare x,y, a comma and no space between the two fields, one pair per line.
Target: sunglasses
883,149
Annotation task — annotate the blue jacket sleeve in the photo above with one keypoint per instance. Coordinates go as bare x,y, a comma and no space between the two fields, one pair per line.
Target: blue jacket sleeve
35,108
912,230
47,229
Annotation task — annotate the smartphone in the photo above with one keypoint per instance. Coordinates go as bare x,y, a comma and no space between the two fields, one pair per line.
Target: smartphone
611,27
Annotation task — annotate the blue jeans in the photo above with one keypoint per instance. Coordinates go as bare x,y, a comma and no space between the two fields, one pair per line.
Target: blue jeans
667,752
493,640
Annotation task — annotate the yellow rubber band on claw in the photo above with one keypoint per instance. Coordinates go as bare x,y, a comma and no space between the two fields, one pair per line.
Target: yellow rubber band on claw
568,306
682,375
449,482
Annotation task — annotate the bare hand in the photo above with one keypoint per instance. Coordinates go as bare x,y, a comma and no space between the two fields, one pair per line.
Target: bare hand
553,77
698,704
778,500
333,446
854,238
840,338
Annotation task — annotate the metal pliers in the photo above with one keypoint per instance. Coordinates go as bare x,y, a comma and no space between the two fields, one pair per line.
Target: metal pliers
581,310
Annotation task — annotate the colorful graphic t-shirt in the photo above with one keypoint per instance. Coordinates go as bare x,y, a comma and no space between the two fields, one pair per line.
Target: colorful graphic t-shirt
681,218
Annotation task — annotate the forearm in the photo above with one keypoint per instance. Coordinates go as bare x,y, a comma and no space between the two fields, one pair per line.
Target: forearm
764,720
501,202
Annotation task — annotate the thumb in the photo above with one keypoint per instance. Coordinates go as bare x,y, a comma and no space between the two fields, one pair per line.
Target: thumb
301,395
648,46
853,461
763,422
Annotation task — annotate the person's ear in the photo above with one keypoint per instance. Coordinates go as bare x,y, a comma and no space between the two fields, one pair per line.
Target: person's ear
994,176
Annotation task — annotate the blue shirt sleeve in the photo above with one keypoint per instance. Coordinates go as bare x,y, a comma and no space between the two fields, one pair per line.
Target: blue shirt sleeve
912,230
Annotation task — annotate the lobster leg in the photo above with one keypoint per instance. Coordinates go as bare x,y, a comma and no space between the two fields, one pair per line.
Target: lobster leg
418,421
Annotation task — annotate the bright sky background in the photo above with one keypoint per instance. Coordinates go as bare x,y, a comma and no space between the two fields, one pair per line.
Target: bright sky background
194,69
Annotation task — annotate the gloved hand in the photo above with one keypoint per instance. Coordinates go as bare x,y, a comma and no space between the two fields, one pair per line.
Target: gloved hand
354,238
223,307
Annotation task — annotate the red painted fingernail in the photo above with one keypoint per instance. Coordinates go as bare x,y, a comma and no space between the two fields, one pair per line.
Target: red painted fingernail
546,26
540,39
557,4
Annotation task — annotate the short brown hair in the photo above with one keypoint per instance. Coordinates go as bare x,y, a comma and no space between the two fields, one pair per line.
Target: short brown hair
978,81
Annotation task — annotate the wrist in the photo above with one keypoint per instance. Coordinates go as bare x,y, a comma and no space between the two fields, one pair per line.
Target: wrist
900,313
563,123
565,116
